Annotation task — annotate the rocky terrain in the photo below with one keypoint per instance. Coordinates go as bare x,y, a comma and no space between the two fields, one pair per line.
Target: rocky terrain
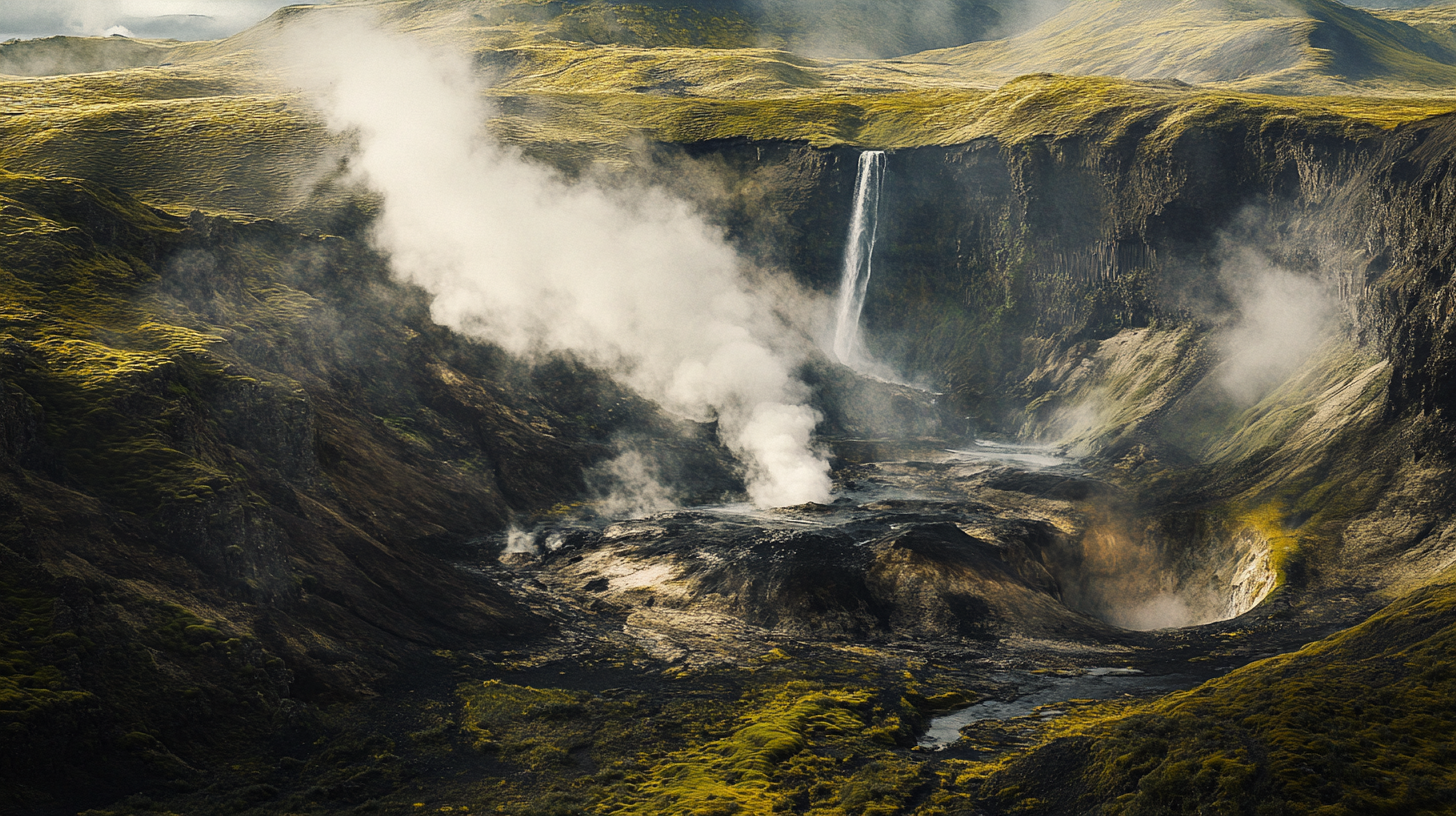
1163,526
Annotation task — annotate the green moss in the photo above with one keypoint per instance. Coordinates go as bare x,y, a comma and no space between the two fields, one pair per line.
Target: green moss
76,55
1305,46
533,723
35,693
1357,723
112,378
737,773
237,143
178,630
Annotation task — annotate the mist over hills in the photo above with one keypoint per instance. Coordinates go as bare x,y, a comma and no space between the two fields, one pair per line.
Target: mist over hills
542,65
179,19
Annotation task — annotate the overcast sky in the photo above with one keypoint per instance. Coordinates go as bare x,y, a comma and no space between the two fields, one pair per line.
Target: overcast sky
178,19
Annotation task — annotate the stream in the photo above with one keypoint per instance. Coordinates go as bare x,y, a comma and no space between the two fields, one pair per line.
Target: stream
1038,690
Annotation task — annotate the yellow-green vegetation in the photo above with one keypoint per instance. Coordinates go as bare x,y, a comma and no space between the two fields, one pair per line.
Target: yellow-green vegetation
178,630
237,141
1437,21
796,734
1338,385
1311,438
1285,46
736,773
80,55
177,140
536,726
123,329
59,635
1286,553
766,95
35,695
1355,724
1128,378
841,27
111,378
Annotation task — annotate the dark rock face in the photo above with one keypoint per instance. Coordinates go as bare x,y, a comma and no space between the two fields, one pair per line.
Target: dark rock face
939,568
986,247
1007,271
1405,283
250,485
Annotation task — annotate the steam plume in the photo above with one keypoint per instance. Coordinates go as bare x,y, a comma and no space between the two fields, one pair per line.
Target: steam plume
633,487
632,281
1282,319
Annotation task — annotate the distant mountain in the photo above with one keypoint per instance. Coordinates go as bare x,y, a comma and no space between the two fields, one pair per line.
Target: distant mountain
78,55
1281,46
833,28
1396,4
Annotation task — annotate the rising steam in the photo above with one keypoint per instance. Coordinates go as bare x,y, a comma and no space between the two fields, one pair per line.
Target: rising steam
634,282
1282,318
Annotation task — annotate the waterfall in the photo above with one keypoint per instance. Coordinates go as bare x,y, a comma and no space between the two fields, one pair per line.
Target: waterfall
855,279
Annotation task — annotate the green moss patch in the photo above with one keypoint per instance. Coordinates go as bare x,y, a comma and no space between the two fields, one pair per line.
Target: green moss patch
35,693
114,381
736,773
1358,723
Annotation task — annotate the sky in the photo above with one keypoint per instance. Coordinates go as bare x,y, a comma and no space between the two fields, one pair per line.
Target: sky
162,19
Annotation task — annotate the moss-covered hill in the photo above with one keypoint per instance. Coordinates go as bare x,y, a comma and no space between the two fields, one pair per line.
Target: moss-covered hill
77,55
235,457
241,143
1354,724
1305,47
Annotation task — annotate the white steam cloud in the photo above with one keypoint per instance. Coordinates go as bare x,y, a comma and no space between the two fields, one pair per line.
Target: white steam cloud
634,487
1282,319
519,542
634,281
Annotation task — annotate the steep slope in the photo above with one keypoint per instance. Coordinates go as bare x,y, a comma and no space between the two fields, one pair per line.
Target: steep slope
240,143
1436,20
830,28
233,461
1396,4
1352,724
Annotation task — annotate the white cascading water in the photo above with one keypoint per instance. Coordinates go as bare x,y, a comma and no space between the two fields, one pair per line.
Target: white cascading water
855,280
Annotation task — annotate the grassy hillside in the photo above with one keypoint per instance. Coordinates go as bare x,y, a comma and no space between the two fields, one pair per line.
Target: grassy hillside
1303,47
1355,724
238,142
201,136
225,447
1396,4
843,28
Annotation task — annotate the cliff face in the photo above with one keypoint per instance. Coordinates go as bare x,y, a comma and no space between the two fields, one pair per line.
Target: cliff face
1094,291
1104,292
1065,238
